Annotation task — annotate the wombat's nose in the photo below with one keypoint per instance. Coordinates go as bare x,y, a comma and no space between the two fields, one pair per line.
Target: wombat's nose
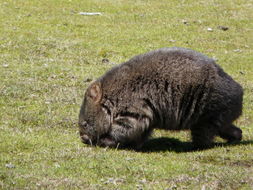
85,139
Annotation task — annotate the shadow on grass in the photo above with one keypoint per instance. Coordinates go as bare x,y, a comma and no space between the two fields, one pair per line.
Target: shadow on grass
171,144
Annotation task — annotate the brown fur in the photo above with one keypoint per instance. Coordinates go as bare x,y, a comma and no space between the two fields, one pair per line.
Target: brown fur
169,88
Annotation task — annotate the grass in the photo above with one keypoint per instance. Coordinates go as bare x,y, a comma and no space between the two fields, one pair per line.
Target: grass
48,55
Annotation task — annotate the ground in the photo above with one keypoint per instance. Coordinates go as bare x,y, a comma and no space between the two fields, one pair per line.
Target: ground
49,53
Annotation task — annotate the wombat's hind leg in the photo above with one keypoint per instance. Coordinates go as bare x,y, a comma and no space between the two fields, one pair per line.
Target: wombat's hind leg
202,135
231,133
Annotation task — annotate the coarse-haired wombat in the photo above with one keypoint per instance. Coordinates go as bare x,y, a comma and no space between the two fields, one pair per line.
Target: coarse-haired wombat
169,88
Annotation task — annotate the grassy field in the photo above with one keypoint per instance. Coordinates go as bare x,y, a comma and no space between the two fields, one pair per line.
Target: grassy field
49,54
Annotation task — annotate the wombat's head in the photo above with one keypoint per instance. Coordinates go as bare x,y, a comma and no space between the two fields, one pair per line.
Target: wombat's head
94,121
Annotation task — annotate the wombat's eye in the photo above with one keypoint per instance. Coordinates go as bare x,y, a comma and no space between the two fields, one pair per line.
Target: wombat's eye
83,123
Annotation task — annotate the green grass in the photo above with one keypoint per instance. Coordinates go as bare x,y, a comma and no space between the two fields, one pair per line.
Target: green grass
48,53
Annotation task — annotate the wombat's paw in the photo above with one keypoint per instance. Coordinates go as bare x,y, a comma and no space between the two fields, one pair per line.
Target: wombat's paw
107,141
85,139
236,135
232,134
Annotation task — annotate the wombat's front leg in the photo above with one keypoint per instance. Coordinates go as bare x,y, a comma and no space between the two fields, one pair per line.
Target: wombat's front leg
127,131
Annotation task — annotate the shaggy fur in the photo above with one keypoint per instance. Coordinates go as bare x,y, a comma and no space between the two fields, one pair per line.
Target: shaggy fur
169,88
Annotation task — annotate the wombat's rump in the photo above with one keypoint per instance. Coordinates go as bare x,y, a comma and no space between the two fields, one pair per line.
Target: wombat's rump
169,88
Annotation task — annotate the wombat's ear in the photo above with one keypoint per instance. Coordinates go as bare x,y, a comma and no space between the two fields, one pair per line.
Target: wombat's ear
95,92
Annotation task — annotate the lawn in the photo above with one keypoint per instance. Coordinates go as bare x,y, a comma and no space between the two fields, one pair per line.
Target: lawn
49,53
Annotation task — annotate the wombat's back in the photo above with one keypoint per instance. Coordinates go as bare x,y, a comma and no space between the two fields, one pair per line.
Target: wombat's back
174,64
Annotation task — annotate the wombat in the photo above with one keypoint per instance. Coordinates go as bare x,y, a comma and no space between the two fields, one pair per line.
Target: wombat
169,88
